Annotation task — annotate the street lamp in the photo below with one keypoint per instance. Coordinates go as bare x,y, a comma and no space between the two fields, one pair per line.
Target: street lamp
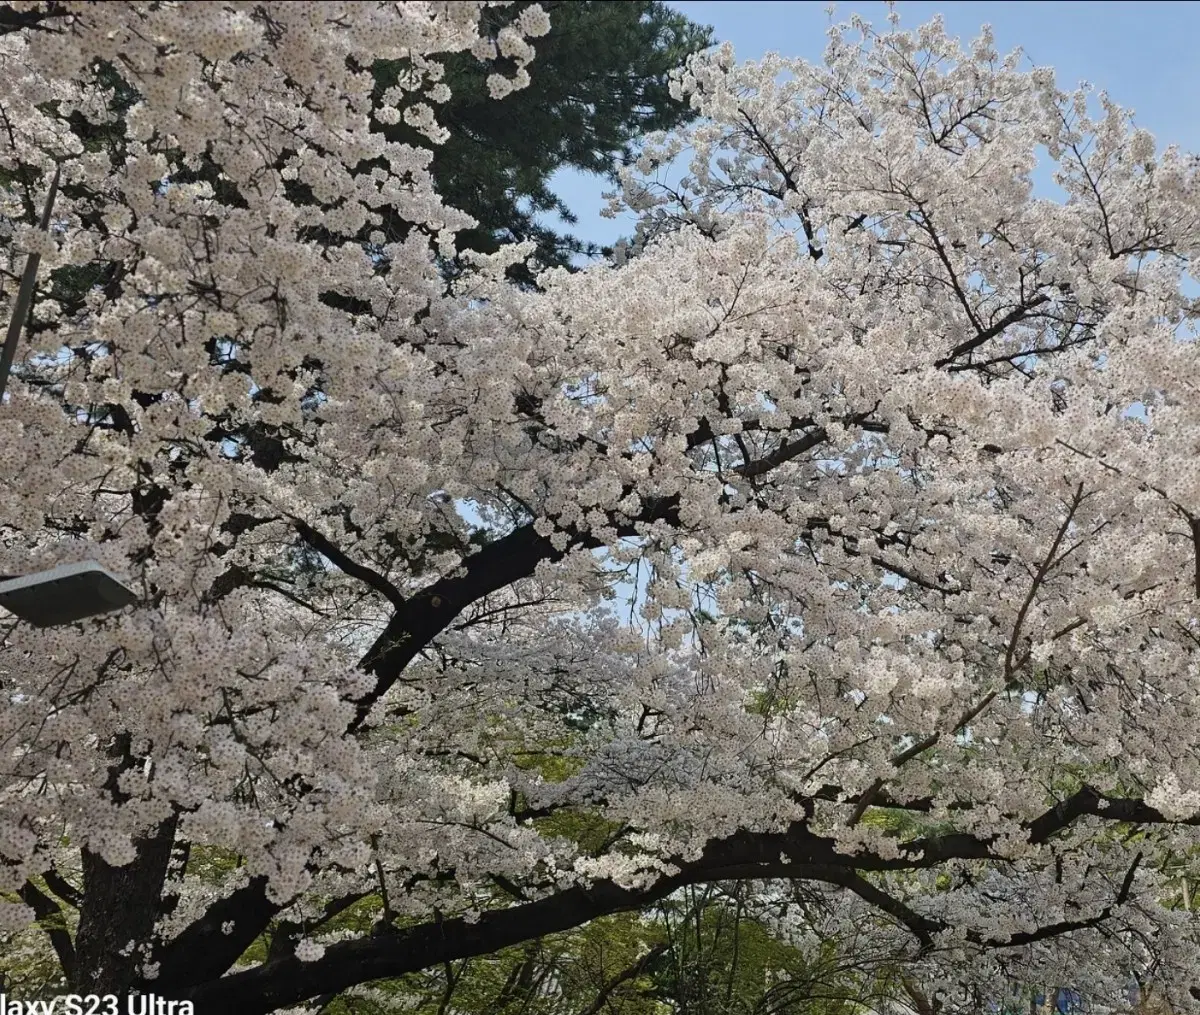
65,594
69,592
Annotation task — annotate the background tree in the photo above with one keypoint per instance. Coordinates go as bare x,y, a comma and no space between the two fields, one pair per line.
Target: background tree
601,84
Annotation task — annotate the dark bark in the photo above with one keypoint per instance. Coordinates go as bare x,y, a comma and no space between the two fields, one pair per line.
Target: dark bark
50,916
995,329
204,951
16,21
120,905
424,616
630,973
195,964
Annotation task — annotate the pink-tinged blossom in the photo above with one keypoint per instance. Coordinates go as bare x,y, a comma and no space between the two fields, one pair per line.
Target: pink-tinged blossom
869,479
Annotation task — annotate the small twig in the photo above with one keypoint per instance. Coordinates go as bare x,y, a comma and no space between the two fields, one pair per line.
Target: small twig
1051,559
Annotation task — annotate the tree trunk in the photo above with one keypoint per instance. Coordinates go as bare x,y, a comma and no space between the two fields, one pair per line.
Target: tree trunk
120,907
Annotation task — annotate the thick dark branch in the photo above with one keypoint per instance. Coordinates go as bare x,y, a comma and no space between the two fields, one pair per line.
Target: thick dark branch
286,933
1069,926
364,574
1194,525
1087,801
61,887
497,565
796,853
425,615
289,981
784,453
922,927
204,951
1082,803
16,21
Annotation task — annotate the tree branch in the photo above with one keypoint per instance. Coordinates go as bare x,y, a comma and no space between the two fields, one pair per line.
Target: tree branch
630,973
61,887
1068,926
1194,526
367,575
1051,559
422,617
797,854
18,21
922,927
784,453
203,951
1014,316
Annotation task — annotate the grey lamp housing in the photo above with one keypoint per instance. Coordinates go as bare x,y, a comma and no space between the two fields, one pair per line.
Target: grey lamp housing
65,594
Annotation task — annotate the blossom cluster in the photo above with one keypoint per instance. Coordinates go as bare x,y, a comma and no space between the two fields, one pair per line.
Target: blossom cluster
866,482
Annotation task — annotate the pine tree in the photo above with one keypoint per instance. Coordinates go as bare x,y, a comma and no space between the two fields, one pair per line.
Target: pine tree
601,82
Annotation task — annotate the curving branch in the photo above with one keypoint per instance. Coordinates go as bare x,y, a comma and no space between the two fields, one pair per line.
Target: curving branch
630,973
422,617
796,853
784,453
369,576
61,887
1012,663
1069,926
21,20
922,927
203,951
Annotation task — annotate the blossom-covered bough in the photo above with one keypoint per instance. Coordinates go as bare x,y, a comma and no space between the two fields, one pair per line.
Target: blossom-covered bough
847,533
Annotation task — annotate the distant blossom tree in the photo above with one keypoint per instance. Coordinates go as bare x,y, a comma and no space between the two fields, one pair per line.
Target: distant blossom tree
899,460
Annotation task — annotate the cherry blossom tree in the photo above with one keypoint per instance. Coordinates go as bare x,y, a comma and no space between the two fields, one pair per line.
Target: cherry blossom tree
846,535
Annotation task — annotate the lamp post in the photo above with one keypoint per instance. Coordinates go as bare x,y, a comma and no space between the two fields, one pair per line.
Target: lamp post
69,592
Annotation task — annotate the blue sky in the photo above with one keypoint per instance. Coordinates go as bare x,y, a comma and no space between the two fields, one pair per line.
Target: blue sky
1143,53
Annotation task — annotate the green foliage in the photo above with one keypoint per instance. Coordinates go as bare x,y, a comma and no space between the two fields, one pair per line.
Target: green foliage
904,824
211,863
723,958
549,760
772,702
591,832
28,968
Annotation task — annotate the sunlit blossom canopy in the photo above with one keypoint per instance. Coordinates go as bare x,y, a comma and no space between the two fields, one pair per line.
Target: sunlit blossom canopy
844,534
